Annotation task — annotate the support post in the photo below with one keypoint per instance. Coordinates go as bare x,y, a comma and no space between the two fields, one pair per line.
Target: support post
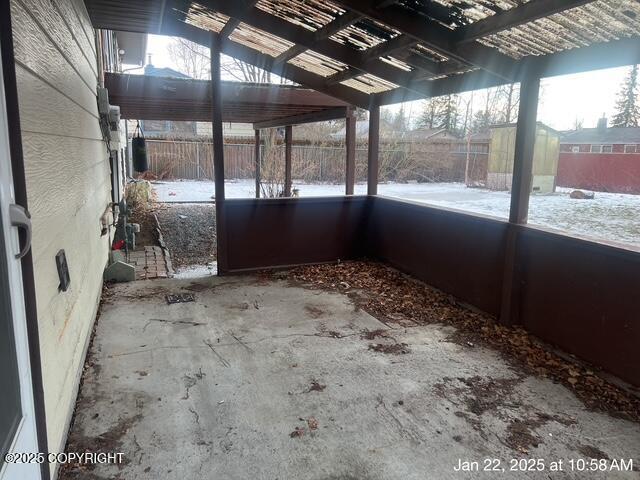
520,192
198,160
372,159
218,155
523,156
288,139
257,162
350,142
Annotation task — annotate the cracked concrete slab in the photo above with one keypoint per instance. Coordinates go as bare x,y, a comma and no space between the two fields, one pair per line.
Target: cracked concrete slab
258,379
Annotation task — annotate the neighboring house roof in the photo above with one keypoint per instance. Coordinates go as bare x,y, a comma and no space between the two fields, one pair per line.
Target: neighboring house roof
603,135
483,136
430,134
163,72
513,125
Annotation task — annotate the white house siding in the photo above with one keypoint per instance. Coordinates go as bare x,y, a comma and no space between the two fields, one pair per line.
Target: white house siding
68,185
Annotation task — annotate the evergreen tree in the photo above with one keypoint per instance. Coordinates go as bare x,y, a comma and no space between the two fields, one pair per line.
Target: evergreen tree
447,114
440,112
428,115
400,121
481,120
627,106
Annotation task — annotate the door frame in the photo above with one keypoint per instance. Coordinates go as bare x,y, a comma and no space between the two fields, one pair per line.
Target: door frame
20,192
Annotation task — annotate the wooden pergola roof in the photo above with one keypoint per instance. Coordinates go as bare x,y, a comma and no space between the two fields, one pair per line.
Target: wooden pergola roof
376,52
145,97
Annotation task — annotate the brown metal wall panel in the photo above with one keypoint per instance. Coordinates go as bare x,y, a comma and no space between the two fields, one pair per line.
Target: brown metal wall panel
578,295
583,297
279,232
458,253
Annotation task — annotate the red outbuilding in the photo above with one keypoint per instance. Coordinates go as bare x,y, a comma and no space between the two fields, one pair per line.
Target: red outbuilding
601,159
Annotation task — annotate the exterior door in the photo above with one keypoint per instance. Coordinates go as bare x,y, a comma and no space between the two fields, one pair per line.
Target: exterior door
17,418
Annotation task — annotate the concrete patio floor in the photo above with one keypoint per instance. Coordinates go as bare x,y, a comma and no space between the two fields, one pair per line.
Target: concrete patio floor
260,379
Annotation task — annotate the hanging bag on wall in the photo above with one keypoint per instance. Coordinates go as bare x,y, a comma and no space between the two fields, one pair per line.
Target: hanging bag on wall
139,150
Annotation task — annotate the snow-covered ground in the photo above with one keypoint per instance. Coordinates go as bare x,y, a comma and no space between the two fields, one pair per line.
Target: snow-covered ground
612,217
196,271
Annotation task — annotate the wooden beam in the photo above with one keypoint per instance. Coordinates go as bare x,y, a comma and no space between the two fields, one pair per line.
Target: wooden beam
297,74
331,28
430,67
372,154
218,156
350,144
257,161
288,143
513,17
233,23
373,55
436,36
248,55
319,116
160,98
616,53
302,37
339,23
401,42
444,86
289,54
421,63
343,75
384,3
164,10
229,27
520,193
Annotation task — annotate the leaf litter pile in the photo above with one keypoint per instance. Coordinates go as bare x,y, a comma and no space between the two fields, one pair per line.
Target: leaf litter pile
396,298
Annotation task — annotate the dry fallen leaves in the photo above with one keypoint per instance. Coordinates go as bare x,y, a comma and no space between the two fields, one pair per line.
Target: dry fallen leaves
396,298
312,423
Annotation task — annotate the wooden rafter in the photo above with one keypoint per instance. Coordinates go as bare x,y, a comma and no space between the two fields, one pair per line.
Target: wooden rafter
612,54
331,28
436,36
373,54
248,55
343,75
300,36
233,23
413,86
525,13
359,62
428,67
289,54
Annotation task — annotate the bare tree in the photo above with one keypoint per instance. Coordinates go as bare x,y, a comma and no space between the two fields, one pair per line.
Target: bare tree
244,72
577,123
190,58
509,98
194,60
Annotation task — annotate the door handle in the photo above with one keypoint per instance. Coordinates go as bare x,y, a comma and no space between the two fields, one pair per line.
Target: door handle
21,218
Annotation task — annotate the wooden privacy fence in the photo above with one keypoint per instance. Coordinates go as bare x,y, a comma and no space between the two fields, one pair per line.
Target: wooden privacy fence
186,159
194,160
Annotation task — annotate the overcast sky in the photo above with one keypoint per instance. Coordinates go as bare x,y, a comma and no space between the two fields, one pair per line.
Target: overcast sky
584,96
